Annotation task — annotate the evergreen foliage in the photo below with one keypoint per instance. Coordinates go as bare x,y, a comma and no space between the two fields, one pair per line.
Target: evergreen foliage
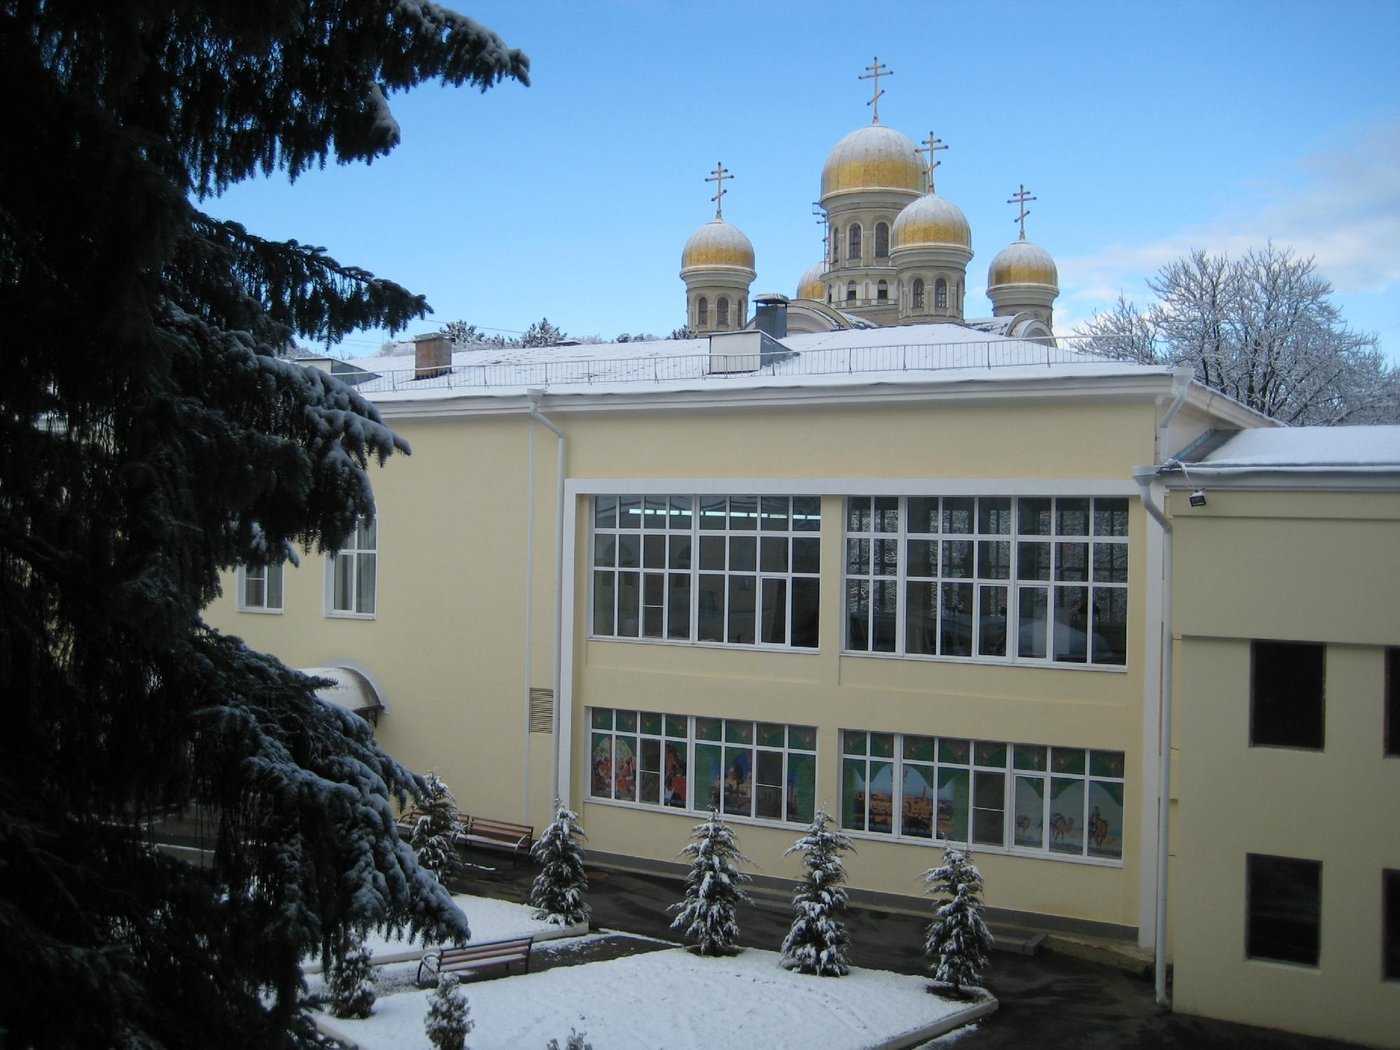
958,941
448,1022
155,436
350,982
559,889
434,838
574,1042
542,333
817,941
1261,329
712,890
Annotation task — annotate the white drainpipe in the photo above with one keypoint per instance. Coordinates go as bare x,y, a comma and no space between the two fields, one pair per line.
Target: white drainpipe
535,395
1181,385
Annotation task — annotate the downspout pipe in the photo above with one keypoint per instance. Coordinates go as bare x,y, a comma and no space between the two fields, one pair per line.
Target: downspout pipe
535,395
1181,386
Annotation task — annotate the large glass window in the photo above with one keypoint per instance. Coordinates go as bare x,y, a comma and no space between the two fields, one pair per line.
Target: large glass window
260,588
735,570
1284,904
988,577
353,571
1021,797
763,770
1286,694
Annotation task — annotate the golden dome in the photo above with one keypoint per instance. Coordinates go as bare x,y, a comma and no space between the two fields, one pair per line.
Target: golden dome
1022,262
717,244
810,284
873,158
932,222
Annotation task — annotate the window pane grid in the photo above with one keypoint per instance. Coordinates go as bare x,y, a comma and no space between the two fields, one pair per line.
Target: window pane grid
766,771
1019,797
1028,578
737,570
353,570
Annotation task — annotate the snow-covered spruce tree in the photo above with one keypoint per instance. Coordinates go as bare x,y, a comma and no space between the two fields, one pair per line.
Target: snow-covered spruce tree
448,1021
350,980
958,941
817,941
155,436
559,889
712,890
434,838
575,1041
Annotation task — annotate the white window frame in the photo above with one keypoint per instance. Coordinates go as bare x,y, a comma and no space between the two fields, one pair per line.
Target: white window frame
663,561
261,588
350,562
698,798
1051,832
887,568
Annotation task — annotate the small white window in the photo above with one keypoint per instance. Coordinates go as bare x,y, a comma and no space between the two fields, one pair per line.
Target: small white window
351,572
260,588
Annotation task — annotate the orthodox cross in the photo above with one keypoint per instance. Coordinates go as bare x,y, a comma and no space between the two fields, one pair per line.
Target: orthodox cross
1020,197
718,176
877,70
931,145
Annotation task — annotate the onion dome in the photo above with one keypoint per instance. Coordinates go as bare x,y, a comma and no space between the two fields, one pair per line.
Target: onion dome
873,157
810,285
1022,262
717,243
932,222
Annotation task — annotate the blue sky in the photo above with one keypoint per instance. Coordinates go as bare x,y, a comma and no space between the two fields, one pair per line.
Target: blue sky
1145,130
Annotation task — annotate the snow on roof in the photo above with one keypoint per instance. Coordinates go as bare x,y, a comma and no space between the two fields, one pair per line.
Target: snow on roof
1373,449
864,356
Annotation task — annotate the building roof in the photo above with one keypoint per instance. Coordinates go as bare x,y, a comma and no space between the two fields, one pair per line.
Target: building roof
1303,450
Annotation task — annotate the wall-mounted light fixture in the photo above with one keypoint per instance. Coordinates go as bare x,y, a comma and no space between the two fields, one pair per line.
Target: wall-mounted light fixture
1197,498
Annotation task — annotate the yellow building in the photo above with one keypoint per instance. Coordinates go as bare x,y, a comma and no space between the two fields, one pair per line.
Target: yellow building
1285,609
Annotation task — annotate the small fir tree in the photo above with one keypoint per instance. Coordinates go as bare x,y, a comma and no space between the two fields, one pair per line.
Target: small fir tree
958,940
434,836
559,889
448,1023
712,891
575,1042
817,941
350,983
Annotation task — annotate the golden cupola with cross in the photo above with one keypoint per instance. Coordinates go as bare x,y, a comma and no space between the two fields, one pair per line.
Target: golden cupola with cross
1023,277
932,247
717,266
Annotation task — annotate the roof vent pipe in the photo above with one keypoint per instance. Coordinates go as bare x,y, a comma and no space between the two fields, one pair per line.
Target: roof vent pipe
770,314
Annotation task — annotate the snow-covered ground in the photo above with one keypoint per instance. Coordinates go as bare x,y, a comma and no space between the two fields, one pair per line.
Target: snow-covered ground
667,998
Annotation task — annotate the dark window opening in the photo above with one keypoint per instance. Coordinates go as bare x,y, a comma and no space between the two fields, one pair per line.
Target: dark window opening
918,293
702,312
1392,701
851,291
940,294
722,312
853,248
1284,902
1286,694
882,292
1391,925
882,240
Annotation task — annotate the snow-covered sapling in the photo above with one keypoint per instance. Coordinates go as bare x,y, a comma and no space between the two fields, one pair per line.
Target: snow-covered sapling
958,941
448,1023
575,1042
560,887
434,836
350,983
712,891
817,941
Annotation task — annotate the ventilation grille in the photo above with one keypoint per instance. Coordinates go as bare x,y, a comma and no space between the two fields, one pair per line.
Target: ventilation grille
541,710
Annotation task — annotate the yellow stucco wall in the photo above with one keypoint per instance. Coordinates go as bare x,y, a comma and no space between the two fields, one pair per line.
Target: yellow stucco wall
447,642
1299,567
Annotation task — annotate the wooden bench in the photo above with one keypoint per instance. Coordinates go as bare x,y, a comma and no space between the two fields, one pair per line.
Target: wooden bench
500,833
408,820
469,958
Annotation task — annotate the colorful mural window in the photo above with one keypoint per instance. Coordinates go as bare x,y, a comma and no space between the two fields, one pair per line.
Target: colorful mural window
763,770
733,570
1021,797
988,577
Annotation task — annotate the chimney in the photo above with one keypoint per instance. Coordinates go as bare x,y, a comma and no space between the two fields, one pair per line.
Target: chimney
770,314
432,355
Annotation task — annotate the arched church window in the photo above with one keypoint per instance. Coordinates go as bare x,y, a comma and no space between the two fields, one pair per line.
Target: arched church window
882,292
882,240
702,312
740,313
918,293
940,294
853,248
835,245
850,291
722,312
